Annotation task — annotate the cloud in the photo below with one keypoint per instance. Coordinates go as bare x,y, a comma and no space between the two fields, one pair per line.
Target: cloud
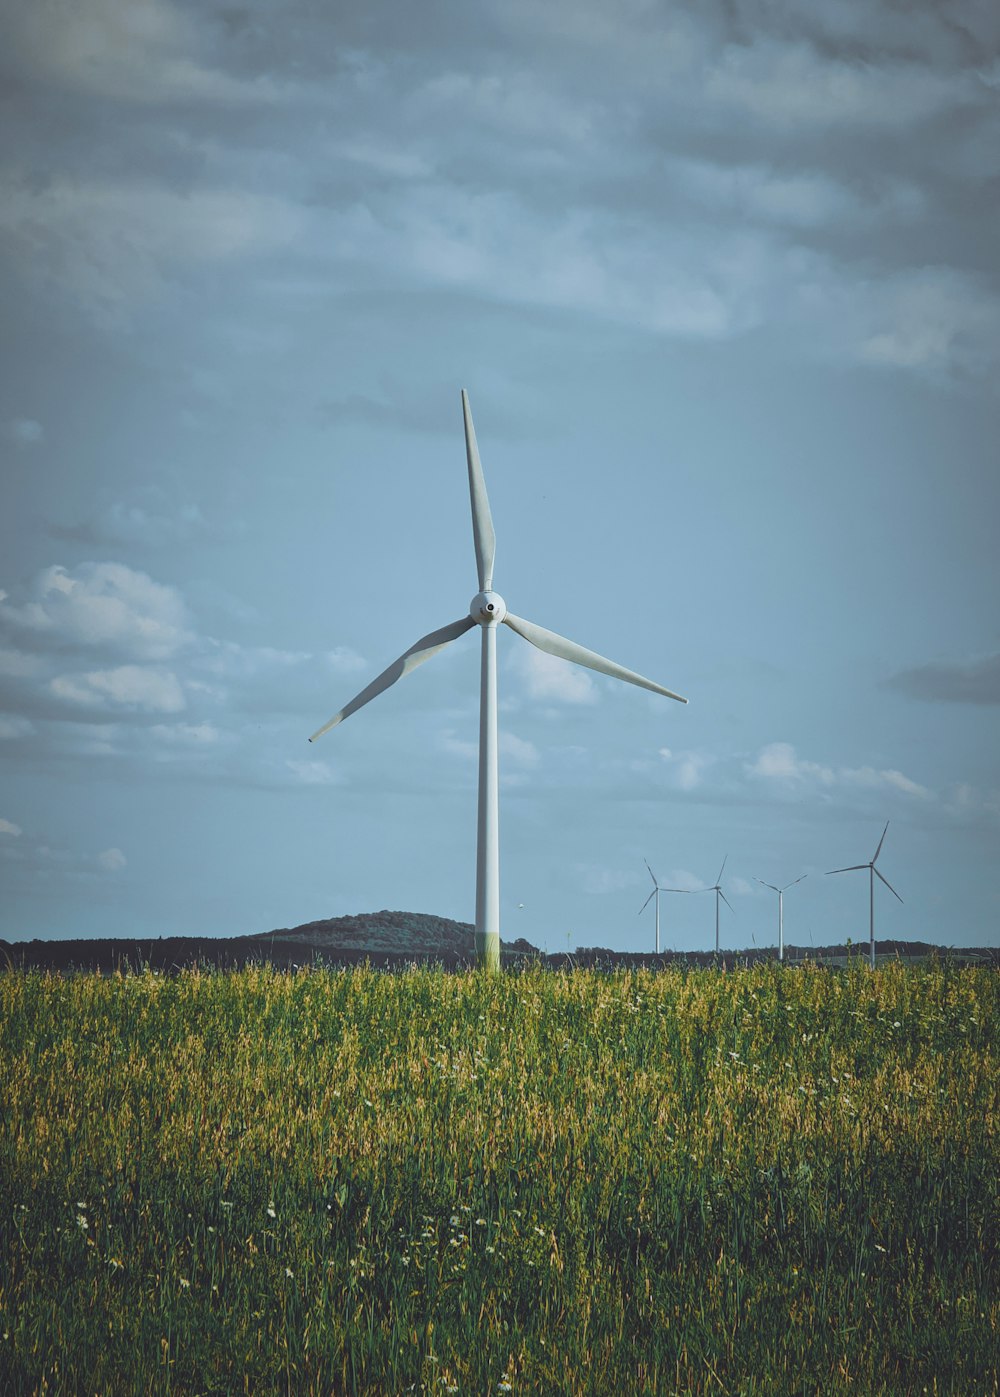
685,768
103,606
147,519
599,881
517,751
779,764
138,51
970,805
133,687
934,320
23,431
113,860
970,681
8,827
548,679
116,243
13,727
789,84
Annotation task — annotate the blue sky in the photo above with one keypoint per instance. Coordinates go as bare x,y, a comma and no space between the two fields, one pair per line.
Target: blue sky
722,284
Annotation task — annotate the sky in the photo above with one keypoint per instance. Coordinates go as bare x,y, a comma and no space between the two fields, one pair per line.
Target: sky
722,283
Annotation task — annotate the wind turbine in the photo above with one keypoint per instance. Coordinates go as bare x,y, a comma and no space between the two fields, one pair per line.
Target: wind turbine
716,888
486,610
873,873
781,921
657,889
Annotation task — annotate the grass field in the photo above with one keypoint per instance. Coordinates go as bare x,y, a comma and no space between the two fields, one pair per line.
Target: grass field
763,1182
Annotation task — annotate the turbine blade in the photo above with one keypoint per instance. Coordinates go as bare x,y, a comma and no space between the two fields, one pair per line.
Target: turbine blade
651,873
719,879
565,649
684,890
767,885
848,870
482,520
888,885
647,902
427,646
881,842
727,902
792,884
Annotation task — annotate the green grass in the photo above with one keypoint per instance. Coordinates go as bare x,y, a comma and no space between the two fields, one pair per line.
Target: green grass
766,1182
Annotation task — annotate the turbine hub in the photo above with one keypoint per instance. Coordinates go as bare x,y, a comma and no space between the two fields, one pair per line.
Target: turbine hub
487,608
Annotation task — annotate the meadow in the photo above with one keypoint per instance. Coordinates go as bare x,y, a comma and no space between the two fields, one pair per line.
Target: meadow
766,1182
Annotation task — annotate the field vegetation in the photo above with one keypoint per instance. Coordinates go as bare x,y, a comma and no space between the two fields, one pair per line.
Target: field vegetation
766,1182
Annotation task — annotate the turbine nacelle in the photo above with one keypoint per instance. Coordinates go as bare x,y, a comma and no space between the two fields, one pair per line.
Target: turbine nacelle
487,608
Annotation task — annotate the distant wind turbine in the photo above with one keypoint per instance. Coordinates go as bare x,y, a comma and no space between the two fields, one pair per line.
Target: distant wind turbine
487,610
717,889
873,873
657,889
781,921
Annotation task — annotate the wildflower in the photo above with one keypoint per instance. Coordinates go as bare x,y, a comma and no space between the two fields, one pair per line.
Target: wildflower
454,1219
504,1386
480,1222
289,1273
82,1222
270,1211
185,1283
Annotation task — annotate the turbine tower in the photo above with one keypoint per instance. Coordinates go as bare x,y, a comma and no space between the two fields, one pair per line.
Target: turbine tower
657,889
781,921
487,610
716,888
873,873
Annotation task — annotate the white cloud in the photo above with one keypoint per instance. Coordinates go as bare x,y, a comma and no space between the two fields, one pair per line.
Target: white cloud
793,84
598,881
931,319
113,860
13,726
549,679
8,827
778,762
133,687
684,880
113,244
102,606
127,50
685,768
517,750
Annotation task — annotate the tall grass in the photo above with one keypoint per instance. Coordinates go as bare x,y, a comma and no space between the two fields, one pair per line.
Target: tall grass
766,1182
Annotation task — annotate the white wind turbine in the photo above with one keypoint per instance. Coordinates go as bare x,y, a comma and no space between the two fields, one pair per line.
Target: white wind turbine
657,889
487,610
873,873
716,888
781,920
